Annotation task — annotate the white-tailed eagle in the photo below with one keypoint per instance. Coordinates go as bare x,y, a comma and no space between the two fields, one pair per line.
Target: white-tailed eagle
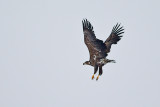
97,48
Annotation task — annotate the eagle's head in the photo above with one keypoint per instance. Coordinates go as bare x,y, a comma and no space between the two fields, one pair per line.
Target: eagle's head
87,63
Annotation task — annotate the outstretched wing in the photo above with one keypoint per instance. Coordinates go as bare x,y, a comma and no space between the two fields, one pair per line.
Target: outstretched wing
114,37
95,46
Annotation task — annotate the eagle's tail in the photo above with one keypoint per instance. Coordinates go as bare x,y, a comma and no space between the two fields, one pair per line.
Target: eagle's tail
114,37
111,61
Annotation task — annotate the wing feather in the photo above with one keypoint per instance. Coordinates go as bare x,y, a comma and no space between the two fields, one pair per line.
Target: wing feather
114,37
95,46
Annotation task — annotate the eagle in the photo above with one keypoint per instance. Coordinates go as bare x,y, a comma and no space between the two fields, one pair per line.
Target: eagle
98,49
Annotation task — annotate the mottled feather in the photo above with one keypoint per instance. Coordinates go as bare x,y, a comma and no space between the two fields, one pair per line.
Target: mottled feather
95,46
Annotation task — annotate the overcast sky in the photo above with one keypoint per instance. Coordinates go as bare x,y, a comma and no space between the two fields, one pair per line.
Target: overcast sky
42,53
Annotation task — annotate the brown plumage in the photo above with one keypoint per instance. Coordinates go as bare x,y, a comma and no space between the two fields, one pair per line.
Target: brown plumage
97,48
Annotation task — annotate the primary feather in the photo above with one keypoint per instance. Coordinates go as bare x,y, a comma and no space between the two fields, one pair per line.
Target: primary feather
114,37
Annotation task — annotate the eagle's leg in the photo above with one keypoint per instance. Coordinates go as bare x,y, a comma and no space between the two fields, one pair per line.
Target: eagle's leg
100,72
95,71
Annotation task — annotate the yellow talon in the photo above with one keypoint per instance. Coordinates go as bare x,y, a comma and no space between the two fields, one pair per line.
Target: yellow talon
92,76
97,77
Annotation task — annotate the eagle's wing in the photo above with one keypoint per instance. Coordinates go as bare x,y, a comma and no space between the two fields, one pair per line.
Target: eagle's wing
95,46
114,37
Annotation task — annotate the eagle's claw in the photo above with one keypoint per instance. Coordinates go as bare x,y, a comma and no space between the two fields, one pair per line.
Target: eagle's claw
97,77
92,76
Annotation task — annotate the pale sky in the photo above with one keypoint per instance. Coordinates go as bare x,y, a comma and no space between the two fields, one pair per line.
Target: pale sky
42,53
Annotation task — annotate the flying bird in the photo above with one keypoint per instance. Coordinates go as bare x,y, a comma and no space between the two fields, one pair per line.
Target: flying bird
98,49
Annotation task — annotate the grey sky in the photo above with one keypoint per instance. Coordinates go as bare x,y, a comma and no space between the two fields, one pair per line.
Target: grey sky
42,52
